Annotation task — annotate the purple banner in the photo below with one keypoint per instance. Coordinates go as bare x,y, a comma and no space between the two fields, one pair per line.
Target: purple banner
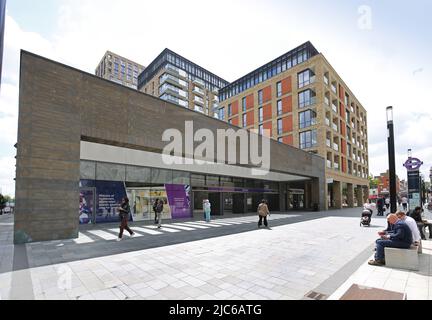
179,200
241,190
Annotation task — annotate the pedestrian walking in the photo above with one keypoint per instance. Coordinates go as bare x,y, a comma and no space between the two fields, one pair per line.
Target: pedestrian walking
159,212
207,210
263,212
155,210
124,212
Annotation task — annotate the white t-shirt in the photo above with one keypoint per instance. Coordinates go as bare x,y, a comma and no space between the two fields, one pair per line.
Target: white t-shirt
387,201
412,224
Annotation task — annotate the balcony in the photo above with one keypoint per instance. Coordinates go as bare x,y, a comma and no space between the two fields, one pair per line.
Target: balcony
170,89
199,91
329,164
327,101
199,100
336,166
199,82
175,71
174,100
168,78
335,146
326,80
335,127
328,143
334,108
327,121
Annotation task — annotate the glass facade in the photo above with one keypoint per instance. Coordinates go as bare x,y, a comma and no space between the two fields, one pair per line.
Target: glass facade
269,70
194,72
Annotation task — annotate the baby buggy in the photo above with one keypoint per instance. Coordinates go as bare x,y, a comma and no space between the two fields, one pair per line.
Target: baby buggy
366,217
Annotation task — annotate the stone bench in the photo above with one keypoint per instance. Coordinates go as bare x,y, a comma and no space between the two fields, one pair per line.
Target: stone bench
402,258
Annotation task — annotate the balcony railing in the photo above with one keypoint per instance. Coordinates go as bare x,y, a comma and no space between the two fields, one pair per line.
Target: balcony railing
198,91
335,146
170,78
334,108
329,164
326,80
336,166
335,127
333,88
327,101
328,143
199,100
327,121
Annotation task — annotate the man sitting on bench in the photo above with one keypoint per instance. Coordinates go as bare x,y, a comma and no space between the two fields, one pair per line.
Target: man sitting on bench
412,224
400,237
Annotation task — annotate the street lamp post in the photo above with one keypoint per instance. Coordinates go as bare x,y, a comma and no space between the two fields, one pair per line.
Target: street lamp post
392,163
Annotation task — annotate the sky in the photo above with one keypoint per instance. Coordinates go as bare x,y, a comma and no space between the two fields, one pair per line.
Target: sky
381,48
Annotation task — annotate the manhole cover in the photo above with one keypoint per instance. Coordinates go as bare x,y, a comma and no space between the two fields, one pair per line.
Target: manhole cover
316,296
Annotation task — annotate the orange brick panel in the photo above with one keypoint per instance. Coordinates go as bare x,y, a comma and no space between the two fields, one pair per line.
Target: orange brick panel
249,101
250,118
235,107
287,124
287,104
267,111
288,140
287,85
269,126
267,94
235,121
341,93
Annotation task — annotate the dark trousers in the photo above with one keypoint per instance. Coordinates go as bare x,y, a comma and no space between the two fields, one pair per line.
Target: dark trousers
421,225
405,206
124,226
261,220
381,244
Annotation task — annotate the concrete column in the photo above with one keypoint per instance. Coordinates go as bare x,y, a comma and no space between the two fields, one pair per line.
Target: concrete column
318,191
350,195
282,196
365,194
359,196
337,194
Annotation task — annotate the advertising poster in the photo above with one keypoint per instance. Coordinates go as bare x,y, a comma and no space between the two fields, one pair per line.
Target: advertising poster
109,195
179,200
86,206
142,200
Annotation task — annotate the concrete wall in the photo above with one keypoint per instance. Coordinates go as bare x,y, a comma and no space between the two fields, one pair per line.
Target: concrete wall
59,106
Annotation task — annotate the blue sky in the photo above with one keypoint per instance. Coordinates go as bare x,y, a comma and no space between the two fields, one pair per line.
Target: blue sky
386,64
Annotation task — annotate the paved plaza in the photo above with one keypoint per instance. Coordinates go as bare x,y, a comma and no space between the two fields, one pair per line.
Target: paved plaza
228,259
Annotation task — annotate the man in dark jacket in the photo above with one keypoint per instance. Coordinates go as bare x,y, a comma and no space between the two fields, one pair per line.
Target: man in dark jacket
417,216
380,206
401,237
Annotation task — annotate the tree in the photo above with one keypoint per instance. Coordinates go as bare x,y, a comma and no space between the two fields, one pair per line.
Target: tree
373,183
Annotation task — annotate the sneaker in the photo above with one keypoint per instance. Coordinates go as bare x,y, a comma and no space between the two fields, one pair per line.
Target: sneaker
376,262
119,239
133,234
159,227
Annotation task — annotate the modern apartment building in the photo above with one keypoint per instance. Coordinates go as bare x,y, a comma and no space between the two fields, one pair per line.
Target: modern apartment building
178,80
304,103
120,70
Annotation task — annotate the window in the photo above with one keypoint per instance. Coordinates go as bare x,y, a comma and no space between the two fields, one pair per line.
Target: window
244,120
308,139
260,115
307,119
279,89
280,126
244,104
260,97
279,107
305,78
229,110
306,98
222,114
261,129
